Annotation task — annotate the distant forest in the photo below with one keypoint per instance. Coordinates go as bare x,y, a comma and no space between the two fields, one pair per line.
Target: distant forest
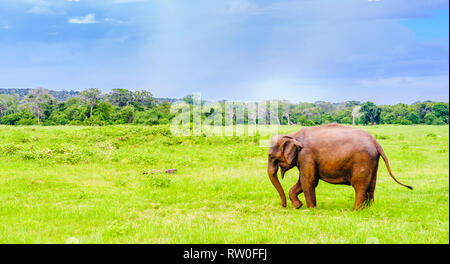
39,106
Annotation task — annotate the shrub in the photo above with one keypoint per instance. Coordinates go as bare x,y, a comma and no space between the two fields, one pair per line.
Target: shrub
431,135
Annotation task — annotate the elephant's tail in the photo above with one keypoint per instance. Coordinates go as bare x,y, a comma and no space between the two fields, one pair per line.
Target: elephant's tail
383,155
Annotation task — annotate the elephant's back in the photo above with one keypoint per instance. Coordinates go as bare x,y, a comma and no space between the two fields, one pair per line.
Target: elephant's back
338,139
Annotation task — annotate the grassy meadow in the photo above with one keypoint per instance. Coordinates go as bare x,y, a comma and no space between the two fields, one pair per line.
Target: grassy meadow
71,184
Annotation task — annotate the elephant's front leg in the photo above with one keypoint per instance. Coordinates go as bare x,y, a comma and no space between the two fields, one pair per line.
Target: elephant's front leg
293,195
309,182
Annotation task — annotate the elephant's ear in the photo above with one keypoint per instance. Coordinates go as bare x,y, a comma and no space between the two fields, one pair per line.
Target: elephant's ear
290,148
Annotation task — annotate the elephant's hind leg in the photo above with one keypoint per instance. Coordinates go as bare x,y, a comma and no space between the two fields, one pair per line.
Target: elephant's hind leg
360,199
293,195
372,185
361,180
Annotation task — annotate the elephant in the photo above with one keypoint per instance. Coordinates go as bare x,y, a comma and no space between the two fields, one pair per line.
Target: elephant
333,153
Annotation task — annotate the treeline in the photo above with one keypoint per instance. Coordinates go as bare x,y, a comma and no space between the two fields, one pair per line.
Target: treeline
354,112
59,95
121,106
89,107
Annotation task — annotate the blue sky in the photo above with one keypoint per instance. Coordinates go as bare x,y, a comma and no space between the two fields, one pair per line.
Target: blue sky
300,50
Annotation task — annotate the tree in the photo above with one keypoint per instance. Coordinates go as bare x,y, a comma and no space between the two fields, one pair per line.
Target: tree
125,115
304,121
351,104
104,111
325,106
164,111
343,116
327,118
441,111
91,96
423,109
429,118
189,99
36,100
120,97
6,102
414,118
400,111
71,111
145,98
284,109
356,114
371,113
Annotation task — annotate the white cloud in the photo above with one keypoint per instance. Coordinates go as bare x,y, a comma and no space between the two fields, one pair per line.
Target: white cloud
88,19
91,19
41,10
44,7
73,0
113,21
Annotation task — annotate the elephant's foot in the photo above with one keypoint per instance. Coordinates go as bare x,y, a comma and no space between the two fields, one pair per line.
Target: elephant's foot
297,204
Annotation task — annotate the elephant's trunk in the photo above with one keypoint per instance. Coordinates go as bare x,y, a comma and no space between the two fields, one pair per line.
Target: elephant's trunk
272,171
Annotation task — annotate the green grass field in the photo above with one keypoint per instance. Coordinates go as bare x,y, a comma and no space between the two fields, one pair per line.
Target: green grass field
85,184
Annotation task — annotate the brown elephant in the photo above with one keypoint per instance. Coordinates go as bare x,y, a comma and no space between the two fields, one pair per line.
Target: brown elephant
333,153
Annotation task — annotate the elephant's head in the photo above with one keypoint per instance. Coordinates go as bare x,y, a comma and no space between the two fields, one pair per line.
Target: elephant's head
283,153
